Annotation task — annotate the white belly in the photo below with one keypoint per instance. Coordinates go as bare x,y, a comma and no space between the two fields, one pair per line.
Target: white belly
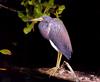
53,46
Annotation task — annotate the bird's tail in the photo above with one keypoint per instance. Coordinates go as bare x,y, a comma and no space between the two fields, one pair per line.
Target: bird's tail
68,54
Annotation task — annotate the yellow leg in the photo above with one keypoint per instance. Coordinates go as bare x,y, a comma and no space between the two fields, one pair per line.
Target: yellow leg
53,70
58,59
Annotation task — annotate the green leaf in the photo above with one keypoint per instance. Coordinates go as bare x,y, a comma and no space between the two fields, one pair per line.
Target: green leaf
5,52
37,11
22,16
30,2
60,9
48,5
22,3
51,2
28,29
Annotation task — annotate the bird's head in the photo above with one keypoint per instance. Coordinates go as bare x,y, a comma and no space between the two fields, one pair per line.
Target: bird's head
43,25
42,18
47,18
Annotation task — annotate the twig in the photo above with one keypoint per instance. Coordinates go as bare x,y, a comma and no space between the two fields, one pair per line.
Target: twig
72,71
8,8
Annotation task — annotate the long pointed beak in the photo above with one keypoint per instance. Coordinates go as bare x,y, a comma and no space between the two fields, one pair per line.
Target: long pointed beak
37,19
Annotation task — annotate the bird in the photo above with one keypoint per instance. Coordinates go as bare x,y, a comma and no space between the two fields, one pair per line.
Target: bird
54,30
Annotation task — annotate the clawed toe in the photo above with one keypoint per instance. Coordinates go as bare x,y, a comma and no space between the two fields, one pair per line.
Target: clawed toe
52,71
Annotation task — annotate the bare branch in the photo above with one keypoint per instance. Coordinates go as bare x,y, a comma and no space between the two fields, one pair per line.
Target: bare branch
8,8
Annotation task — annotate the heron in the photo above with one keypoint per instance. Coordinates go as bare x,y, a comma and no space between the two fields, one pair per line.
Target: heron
54,30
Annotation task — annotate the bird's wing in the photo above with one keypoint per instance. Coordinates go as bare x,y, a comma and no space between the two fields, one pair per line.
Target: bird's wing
59,36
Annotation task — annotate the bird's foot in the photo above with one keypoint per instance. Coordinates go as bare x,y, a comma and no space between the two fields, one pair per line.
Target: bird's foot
52,71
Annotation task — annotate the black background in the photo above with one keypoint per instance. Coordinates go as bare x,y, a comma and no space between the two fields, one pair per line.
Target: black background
82,21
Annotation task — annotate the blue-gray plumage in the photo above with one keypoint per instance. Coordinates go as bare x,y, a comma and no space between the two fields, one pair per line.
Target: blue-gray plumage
54,30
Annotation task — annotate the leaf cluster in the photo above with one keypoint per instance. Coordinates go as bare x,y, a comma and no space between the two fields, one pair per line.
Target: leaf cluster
38,8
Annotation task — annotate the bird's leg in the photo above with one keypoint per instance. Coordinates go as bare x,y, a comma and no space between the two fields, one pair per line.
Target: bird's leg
53,70
58,59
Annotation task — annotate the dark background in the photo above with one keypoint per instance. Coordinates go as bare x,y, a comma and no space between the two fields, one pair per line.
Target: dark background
32,50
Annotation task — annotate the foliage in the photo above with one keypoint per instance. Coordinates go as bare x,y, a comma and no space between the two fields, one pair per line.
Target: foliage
5,52
38,8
